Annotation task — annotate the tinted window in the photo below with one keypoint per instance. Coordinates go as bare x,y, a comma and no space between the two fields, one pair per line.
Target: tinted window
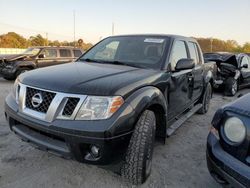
65,53
193,52
178,52
49,53
198,50
77,53
108,52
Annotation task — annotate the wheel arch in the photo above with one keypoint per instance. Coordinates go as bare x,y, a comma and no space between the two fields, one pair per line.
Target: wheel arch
151,98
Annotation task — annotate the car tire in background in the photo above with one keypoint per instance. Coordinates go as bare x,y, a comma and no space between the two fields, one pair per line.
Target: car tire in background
231,87
138,159
18,72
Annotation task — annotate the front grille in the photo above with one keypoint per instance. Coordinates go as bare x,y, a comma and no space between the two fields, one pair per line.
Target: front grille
47,98
70,106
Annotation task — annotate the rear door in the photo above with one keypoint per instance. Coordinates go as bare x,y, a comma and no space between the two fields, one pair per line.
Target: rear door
77,53
195,54
50,57
181,87
245,72
65,55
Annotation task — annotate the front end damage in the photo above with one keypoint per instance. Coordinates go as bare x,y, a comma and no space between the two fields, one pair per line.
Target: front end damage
8,64
228,67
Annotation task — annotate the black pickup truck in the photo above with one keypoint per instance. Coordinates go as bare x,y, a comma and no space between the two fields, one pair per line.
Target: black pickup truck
113,101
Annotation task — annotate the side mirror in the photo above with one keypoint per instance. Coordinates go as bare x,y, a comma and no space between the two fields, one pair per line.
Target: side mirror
41,56
184,64
245,66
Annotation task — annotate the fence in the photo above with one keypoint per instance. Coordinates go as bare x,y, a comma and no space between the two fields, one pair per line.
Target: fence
11,50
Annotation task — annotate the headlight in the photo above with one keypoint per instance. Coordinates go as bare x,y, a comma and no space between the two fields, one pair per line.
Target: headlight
15,90
234,129
94,107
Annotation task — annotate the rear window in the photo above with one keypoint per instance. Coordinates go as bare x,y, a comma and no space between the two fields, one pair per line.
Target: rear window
77,53
193,52
65,53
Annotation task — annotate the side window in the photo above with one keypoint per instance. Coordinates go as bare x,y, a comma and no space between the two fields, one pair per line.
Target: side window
77,53
49,53
108,52
193,52
245,61
65,53
178,52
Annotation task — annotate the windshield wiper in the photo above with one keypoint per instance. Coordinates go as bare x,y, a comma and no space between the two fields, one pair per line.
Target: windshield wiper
112,62
124,63
91,60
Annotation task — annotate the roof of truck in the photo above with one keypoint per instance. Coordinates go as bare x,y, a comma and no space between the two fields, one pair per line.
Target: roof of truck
156,35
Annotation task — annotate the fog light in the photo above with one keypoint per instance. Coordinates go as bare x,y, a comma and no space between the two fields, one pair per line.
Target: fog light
95,151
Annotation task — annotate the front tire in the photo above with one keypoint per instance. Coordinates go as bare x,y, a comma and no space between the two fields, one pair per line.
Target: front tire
231,87
138,159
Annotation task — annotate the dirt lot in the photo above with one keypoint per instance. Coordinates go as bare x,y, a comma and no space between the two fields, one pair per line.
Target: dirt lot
179,163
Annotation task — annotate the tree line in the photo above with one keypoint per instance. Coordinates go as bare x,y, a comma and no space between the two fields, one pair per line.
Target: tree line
14,40
217,45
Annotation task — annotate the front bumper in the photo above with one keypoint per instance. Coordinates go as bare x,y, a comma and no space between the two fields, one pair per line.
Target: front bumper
74,139
224,167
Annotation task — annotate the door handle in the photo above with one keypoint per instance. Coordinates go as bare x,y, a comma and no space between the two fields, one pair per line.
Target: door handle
190,77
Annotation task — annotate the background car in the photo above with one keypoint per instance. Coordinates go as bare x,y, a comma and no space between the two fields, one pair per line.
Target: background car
228,155
233,71
36,57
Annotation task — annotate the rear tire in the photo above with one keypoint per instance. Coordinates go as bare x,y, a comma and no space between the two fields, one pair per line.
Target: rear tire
206,100
138,159
231,87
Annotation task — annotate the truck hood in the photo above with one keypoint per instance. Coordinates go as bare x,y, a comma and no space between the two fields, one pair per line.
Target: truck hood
90,78
13,57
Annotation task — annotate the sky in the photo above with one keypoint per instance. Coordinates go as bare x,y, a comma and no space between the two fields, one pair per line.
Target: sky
223,19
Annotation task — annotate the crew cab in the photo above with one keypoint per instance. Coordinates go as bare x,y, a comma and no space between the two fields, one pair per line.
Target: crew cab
113,101
36,57
228,154
233,71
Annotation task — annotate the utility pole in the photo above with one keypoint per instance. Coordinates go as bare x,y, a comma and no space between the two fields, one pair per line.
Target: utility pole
113,28
211,44
74,16
47,39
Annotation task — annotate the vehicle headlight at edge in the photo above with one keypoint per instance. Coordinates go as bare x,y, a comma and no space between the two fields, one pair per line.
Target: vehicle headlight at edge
234,130
98,107
15,90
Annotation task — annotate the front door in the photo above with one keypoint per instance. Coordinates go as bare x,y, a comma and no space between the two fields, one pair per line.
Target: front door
181,86
50,58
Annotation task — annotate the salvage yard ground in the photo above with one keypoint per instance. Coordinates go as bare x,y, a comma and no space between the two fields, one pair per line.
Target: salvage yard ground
179,163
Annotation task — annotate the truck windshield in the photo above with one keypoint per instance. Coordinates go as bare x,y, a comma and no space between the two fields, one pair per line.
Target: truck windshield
32,51
137,51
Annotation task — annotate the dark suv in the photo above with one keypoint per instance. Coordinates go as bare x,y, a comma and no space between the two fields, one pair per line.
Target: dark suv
113,101
13,65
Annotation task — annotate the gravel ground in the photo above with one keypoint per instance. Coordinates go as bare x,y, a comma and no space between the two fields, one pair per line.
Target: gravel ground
179,163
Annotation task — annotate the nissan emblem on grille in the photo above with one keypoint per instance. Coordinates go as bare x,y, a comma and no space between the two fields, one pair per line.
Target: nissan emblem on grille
36,100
